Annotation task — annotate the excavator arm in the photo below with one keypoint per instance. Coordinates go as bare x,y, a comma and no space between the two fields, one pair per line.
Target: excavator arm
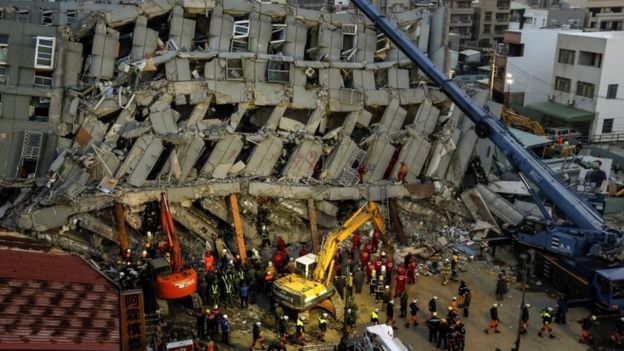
166,219
324,267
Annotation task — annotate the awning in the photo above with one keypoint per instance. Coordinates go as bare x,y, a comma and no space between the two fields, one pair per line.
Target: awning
562,112
530,140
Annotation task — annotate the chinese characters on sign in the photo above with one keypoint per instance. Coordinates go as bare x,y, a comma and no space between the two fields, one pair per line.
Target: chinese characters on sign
132,321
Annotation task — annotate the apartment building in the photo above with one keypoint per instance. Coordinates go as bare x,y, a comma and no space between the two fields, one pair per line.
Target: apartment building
491,21
461,20
602,15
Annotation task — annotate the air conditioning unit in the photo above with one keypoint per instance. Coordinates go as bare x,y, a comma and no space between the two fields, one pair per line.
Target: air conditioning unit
571,102
565,26
551,98
349,29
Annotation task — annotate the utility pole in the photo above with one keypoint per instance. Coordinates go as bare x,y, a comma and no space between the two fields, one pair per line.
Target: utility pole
492,70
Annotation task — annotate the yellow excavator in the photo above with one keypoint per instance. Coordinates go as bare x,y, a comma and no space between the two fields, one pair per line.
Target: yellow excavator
311,285
516,120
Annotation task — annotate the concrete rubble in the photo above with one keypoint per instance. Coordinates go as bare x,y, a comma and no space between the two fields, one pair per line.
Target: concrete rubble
203,99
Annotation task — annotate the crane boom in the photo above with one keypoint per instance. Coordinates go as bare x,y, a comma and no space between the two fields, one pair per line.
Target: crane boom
573,206
322,272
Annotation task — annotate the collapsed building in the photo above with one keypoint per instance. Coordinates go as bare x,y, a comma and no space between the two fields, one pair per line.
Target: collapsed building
293,110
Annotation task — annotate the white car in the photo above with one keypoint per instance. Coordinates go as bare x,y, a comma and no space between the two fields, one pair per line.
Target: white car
382,338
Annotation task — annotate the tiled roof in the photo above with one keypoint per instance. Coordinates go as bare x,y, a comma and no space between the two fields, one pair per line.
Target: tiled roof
51,301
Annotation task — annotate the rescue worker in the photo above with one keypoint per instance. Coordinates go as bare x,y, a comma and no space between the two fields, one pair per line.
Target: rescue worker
375,316
401,279
433,305
225,330
453,303
210,345
364,258
433,324
350,319
403,305
356,240
279,313
213,321
228,289
257,338
300,329
358,280
244,295
461,292
443,334
452,315
493,320
586,334
349,284
322,323
547,319
372,288
402,173
459,340
411,271
292,266
390,313
269,276
282,328
209,265
454,266
618,333
561,310
413,307
446,271
524,319
201,322
501,287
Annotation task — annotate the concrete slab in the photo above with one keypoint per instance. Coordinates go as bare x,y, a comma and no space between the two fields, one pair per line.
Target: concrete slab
148,159
377,159
164,122
393,117
500,207
223,156
264,157
340,157
303,160
188,155
414,152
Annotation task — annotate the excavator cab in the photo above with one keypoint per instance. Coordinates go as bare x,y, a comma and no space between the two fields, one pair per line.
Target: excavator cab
305,265
160,266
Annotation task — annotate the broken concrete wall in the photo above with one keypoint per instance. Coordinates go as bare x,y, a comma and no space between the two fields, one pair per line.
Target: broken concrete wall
104,52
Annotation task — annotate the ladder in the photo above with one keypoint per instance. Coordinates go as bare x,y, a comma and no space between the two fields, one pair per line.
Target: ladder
386,206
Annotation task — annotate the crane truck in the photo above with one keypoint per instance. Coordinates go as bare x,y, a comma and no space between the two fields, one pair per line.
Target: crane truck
582,253
311,285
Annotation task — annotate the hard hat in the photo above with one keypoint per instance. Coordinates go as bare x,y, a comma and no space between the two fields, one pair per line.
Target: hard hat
391,302
376,309
622,319
387,286
215,307
450,308
128,250
121,275
435,314
348,310
149,234
593,318
224,251
443,320
549,309
232,262
528,305
302,318
225,316
207,310
258,323
285,318
144,253
495,305
414,300
435,297
446,260
454,298
270,264
383,253
325,315
292,259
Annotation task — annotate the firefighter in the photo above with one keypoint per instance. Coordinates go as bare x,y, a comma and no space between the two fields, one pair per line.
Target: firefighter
228,289
356,239
322,323
401,279
453,303
586,334
256,336
461,291
210,345
433,305
350,317
433,324
292,266
526,316
403,305
501,287
454,266
279,314
300,329
282,328
467,299
269,276
212,319
547,318
446,271
225,330
493,320
375,316
358,280
201,322
209,261
373,283
413,309
244,295
443,334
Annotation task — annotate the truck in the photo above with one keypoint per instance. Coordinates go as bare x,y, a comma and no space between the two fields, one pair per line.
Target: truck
310,286
580,251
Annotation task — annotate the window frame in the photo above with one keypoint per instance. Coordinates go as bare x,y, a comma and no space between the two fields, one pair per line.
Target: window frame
563,79
612,93
582,89
39,45
607,125
47,17
565,55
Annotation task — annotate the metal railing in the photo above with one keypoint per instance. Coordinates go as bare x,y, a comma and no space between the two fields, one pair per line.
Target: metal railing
611,138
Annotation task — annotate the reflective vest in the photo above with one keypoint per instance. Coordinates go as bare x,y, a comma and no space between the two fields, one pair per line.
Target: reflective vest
374,315
322,321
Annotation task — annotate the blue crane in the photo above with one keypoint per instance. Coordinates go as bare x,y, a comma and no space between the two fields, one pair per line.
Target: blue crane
585,251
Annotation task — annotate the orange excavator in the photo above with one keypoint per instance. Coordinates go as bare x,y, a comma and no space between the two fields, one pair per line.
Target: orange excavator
173,279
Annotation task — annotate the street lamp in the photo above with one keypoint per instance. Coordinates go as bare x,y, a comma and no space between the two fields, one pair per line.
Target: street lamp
509,83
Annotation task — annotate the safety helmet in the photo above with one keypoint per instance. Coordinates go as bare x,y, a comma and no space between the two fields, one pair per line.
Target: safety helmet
215,307
435,314
414,300
387,286
348,310
258,323
446,260
549,309
128,250
122,274
392,302
285,318
144,253
383,253
593,318
435,297
454,298
302,318
528,305
377,310
225,316
207,310
270,264
622,319
495,305
224,251
325,315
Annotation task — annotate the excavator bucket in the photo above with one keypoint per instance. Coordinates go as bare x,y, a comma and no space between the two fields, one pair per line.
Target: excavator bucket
328,305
